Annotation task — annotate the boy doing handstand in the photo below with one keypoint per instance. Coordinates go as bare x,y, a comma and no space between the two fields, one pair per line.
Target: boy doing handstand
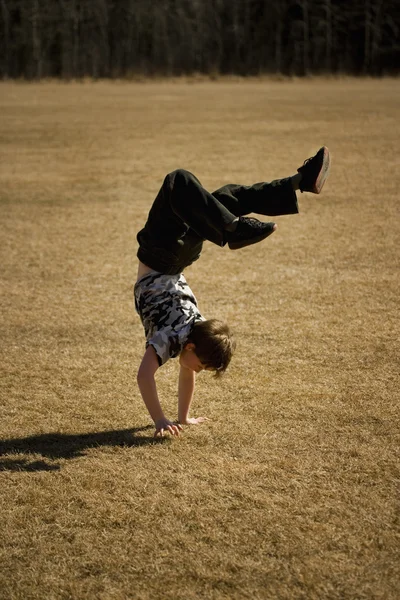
184,215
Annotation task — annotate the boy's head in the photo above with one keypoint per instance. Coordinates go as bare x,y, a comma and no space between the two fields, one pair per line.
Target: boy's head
212,343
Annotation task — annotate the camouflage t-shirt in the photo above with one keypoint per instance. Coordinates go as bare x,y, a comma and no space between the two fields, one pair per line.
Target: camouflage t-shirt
168,310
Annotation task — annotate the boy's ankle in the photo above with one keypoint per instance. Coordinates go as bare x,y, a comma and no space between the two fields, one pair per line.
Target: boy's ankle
295,181
232,225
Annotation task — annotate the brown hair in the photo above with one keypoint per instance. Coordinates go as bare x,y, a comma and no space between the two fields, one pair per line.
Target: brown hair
214,344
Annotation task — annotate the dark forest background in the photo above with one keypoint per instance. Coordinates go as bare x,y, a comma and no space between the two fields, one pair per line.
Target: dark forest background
125,38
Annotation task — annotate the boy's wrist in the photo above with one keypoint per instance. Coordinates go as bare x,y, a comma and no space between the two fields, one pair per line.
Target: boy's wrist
159,418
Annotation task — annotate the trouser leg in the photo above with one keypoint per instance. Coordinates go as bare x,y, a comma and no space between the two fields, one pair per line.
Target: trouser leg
199,209
182,198
272,199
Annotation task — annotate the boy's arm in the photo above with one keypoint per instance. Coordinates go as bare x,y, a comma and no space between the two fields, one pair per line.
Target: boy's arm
147,386
187,380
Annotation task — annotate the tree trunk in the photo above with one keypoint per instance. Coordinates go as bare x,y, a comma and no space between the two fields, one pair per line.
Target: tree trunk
278,42
6,39
75,41
36,40
376,35
367,36
328,46
306,38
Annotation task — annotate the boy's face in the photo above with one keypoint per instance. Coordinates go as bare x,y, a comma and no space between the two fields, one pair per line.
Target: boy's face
189,359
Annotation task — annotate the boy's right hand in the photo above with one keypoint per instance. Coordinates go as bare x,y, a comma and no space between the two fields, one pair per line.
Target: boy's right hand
167,425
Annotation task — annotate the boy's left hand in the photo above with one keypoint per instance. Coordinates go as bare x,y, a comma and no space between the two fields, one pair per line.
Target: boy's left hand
164,425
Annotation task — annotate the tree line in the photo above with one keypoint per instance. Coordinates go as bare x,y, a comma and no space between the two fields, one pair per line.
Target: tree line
124,38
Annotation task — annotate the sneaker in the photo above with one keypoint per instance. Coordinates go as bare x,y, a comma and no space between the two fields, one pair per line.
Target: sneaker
315,171
248,231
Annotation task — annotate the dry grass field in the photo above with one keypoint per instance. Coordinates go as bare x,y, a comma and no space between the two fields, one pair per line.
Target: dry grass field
291,489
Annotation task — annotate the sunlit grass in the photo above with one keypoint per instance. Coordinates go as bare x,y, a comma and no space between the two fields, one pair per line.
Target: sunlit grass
291,489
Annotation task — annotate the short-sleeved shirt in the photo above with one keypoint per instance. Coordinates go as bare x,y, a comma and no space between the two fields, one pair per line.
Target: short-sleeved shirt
168,310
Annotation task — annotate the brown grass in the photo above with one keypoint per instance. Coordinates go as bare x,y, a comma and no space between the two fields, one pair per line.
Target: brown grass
291,489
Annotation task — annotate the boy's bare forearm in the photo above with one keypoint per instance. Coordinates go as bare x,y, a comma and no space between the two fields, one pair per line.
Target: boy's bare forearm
148,390
187,379
147,384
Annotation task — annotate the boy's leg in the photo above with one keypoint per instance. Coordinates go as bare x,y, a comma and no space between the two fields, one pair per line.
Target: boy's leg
184,213
183,202
196,207
182,216
277,197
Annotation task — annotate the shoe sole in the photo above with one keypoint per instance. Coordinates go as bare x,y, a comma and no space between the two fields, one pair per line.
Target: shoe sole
323,174
244,243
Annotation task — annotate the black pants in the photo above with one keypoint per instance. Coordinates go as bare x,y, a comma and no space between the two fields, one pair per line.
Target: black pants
184,214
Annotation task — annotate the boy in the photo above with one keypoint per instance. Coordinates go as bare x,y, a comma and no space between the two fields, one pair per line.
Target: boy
182,217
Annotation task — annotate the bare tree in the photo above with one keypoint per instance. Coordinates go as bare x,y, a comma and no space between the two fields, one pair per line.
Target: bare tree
5,39
375,34
279,14
36,39
328,35
306,38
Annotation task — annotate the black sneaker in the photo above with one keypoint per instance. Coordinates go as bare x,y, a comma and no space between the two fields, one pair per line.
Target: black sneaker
315,171
248,231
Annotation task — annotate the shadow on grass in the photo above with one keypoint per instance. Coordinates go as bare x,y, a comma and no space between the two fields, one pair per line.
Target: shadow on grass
62,445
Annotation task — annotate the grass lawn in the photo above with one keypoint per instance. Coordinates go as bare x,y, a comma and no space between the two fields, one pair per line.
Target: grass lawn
291,489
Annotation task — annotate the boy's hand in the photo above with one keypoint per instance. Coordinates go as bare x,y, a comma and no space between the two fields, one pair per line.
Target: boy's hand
194,421
167,425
